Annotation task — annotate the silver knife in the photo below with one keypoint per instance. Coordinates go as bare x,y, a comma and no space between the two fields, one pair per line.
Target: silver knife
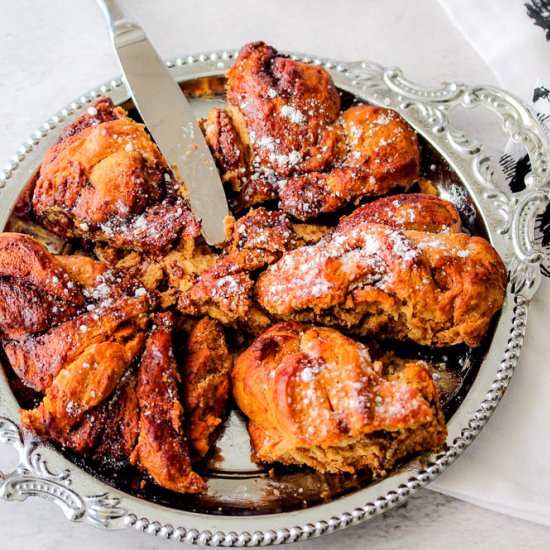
170,120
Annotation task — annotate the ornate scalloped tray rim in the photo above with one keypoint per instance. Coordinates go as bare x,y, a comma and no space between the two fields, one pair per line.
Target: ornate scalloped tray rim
509,220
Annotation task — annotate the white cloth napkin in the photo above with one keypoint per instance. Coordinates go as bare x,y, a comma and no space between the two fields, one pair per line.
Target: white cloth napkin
507,468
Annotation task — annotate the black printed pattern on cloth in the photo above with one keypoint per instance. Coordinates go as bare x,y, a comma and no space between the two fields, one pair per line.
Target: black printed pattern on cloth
515,168
539,12
541,93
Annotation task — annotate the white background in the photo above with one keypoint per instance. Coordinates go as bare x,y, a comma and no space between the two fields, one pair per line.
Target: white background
51,51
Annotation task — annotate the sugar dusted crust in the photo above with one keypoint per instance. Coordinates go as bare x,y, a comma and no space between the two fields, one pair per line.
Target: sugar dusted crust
129,343
315,397
435,288
283,136
105,364
106,181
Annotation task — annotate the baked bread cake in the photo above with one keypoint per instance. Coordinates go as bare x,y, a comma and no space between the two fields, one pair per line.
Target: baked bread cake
314,397
162,449
127,344
206,383
437,288
224,291
397,267
105,180
89,340
283,136
64,305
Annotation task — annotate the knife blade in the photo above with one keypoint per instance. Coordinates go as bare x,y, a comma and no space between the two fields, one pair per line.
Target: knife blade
170,120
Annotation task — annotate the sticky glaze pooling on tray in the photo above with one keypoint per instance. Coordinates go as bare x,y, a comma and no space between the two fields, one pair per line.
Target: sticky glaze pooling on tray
236,485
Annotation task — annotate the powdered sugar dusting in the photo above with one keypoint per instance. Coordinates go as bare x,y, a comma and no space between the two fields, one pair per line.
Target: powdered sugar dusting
293,114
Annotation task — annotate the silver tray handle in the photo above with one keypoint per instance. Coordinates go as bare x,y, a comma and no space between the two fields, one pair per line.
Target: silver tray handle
522,127
33,477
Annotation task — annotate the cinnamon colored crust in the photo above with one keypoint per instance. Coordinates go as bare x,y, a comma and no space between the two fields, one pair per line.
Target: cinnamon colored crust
413,211
283,109
64,305
205,382
36,292
38,359
381,154
84,361
80,387
433,288
118,422
283,135
314,397
108,433
162,445
105,180
225,290
396,267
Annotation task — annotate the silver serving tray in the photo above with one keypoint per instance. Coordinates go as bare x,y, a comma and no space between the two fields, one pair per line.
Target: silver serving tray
245,505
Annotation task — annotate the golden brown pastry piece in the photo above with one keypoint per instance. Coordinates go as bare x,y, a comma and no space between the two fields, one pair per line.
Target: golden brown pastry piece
105,180
37,359
169,273
380,154
54,308
86,361
108,433
205,382
80,387
225,290
36,291
162,449
200,281
411,211
433,288
284,110
315,397
283,136
78,327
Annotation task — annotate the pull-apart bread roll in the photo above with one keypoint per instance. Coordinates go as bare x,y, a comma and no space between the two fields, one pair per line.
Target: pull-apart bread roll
161,448
224,291
395,269
87,338
206,379
124,347
283,136
106,181
83,302
314,397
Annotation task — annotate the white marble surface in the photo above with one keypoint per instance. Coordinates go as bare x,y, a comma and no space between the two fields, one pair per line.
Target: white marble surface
53,50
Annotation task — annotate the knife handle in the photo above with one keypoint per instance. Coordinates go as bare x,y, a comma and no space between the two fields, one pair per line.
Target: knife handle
112,11
121,28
